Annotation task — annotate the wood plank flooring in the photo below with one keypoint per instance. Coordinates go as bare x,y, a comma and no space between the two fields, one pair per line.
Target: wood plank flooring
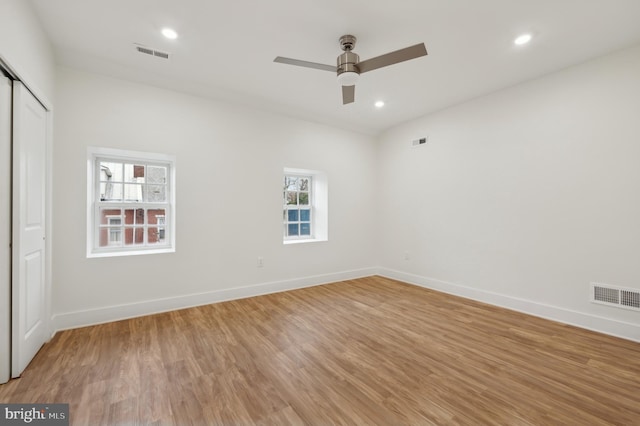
367,351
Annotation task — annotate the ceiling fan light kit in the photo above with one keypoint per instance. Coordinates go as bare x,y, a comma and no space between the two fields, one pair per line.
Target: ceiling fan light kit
348,78
349,67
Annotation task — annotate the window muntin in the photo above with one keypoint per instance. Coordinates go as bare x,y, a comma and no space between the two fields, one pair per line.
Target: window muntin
131,204
297,210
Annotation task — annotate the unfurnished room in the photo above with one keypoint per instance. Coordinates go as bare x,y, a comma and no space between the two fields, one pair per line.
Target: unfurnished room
420,212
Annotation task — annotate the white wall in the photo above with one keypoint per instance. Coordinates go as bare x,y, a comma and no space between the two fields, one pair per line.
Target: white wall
26,48
229,199
525,196
520,198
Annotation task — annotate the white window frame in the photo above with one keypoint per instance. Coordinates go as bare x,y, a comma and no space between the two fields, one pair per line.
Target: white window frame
318,203
94,203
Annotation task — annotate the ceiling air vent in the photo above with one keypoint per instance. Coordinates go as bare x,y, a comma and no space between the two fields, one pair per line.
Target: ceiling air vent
615,296
419,142
151,52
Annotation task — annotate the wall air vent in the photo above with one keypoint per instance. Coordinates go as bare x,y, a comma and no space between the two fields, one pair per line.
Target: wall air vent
615,296
151,52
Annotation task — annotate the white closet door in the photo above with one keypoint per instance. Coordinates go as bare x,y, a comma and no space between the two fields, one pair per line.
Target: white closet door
29,323
5,229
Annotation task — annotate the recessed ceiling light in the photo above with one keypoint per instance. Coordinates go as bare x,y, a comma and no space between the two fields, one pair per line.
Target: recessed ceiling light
522,39
169,33
379,104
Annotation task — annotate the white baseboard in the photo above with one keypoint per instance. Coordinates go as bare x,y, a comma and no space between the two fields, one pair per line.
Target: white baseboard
69,320
591,322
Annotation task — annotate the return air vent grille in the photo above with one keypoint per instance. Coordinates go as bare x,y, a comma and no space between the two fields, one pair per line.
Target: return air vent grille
151,52
615,296
630,299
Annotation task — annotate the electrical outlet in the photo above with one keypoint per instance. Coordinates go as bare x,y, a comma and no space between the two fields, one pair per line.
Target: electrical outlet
406,255
260,261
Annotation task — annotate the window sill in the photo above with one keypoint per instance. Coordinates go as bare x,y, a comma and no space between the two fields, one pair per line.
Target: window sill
130,252
309,240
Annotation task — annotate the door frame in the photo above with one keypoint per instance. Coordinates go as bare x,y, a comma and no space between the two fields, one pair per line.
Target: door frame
16,72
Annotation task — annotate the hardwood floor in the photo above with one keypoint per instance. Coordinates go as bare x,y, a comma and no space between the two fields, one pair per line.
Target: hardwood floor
366,351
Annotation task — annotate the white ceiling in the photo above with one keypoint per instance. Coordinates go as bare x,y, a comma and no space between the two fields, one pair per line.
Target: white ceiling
226,48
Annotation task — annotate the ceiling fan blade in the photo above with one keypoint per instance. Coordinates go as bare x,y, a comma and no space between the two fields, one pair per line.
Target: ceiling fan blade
305,64
401,55
348,94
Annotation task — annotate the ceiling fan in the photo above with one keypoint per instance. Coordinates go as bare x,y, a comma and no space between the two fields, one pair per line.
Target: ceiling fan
349,66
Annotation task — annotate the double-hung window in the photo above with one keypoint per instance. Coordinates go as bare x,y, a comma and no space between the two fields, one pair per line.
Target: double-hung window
131,206
305,209
297,207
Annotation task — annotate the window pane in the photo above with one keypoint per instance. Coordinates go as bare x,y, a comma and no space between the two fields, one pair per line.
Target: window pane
156,193
292,198
155,235
139,216
305,229
134,173
292,229
305,215
304,184
107,215
292,216
129,217
110,191
133,236
110,237
110,171
156,174
156,216
132,192
152,236
110,233
304,198
290,183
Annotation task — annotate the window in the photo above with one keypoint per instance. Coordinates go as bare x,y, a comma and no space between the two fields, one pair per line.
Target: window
304,206
131,206
297,206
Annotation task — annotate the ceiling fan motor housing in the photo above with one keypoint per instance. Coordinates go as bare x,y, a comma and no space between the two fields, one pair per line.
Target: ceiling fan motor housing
347,62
